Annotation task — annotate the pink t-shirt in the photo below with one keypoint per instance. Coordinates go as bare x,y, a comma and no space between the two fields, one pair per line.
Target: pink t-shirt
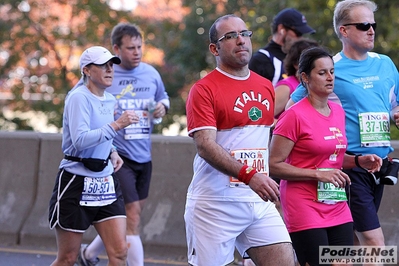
320,142
290,81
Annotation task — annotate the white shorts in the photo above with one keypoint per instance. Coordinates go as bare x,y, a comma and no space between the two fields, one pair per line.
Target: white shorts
214,228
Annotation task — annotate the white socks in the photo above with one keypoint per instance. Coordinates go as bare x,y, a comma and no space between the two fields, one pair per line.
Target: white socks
94,249
135,252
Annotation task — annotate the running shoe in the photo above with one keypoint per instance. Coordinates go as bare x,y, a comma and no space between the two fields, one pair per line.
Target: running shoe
82,261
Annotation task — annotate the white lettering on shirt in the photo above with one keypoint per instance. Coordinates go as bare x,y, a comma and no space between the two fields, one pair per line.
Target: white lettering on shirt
245,98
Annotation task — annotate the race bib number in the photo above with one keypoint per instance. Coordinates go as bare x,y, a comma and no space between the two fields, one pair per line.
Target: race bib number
374,129
255,158
328,193
98,191
140,130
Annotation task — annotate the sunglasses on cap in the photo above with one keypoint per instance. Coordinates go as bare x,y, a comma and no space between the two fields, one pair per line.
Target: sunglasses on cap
362,26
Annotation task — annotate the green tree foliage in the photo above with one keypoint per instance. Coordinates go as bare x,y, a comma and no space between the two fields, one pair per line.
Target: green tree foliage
258,14
43,40
165,35
40,45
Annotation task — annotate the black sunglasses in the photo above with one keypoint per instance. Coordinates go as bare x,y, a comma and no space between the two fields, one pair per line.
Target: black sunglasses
363,26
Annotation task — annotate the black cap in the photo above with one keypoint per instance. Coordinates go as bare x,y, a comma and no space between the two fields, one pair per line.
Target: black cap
294,19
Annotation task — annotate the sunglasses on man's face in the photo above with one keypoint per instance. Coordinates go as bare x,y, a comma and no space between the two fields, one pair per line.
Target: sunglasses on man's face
363,26
234,35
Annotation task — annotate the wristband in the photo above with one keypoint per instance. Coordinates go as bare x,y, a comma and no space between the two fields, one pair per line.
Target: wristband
245,174
357,160
117,125
113,149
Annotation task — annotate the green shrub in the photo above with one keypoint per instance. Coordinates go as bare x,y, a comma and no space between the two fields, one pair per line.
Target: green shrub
394,132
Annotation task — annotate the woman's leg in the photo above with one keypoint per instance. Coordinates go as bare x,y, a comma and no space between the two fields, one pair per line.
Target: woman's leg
341,235
68,244
306,244
113,234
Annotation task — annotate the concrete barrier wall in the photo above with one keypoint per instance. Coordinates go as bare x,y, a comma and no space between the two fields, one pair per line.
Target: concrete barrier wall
28,167
36,225
29,164
19,163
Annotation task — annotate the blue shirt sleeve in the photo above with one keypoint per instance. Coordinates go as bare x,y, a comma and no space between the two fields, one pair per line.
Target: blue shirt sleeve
299,93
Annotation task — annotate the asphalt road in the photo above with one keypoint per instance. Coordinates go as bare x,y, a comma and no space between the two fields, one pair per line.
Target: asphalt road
28,256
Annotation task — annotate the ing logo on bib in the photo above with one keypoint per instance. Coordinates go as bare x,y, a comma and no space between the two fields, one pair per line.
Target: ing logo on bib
255,114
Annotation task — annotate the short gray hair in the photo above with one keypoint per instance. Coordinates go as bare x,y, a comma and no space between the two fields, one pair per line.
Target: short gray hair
343,8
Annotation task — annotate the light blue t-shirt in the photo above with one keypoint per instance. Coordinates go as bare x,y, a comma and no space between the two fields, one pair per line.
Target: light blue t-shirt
362,86
86,130
133,89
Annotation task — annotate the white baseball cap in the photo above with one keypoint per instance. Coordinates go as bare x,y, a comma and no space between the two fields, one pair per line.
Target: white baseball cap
97,55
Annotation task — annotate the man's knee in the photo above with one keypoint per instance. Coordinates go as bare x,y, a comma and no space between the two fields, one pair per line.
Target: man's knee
277,254
373,237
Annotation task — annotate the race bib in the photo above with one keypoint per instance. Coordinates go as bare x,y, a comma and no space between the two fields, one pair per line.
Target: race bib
98,191
374,129
255,158
328,193
140,130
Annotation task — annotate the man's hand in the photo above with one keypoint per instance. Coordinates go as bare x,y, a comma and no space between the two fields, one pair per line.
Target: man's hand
265,187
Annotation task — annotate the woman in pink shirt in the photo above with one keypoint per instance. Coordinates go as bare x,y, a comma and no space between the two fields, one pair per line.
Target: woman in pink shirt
307,153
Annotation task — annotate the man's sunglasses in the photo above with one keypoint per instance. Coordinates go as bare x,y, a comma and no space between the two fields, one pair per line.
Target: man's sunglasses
363,26
234,35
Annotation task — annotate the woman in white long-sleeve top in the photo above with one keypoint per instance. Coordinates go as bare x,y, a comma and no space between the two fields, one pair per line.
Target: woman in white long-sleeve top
85,192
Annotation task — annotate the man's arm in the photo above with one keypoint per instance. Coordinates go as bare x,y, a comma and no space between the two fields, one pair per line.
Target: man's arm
214,154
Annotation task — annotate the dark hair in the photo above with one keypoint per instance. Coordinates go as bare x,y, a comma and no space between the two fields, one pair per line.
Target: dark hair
213,34
308,57
123,29
292,58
